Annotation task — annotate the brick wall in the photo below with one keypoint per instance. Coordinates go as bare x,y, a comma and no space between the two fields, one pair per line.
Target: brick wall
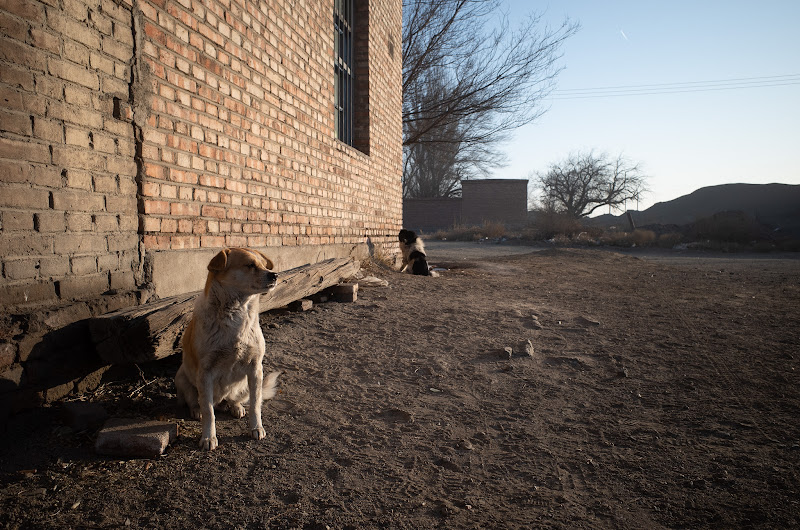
133,126
239,146
133,129
500,200
68,219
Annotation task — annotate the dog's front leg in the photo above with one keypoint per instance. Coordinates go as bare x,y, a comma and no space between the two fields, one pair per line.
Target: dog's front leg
255,380
208,440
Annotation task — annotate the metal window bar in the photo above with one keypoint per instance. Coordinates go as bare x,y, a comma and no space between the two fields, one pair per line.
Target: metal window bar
343,69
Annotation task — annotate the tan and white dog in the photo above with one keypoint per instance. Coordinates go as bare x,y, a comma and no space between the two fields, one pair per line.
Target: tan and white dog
223,346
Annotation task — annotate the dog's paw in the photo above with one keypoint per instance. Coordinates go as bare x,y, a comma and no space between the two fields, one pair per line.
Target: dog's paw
209,444
237,410
258,433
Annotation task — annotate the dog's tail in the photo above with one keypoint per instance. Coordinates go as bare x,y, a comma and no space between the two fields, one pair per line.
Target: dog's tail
268,389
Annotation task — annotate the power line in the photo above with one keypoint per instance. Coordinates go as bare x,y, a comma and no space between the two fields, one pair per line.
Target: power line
659,85
677,88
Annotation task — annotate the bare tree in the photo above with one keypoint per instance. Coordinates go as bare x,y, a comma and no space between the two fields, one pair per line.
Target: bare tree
435,165
585,182
469,79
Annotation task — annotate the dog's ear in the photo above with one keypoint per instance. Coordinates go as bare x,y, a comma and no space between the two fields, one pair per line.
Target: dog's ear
220,261
270,265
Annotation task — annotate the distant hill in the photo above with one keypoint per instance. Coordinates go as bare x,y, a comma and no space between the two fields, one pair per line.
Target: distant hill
774,205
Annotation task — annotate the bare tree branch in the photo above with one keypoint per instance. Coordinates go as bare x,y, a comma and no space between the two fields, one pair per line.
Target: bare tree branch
585,182
469,79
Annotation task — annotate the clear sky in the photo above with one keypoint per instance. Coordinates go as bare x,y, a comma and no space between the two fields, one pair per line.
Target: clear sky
698,136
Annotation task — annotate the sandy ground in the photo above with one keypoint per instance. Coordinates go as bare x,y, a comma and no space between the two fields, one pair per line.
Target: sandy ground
658,390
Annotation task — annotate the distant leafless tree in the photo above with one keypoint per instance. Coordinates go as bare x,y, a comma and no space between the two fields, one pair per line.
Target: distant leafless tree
585,182
469,79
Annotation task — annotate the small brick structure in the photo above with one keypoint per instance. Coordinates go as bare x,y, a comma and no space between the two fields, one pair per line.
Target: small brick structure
489,200
137,137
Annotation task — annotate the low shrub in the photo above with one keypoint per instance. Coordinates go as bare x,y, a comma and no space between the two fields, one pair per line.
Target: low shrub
643,238
547,225
669,240
493,229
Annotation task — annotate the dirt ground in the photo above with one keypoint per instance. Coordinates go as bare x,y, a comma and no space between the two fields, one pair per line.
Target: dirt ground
662,390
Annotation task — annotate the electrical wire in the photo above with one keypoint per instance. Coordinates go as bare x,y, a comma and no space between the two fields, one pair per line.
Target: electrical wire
677,88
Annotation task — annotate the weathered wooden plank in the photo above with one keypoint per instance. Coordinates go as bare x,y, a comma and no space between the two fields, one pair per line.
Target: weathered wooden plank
307,280
152,331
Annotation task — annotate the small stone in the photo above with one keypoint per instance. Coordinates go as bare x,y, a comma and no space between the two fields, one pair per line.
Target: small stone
448,509
372,281
587,321
509,351
8,353
300,306
527,347
397,416
466,445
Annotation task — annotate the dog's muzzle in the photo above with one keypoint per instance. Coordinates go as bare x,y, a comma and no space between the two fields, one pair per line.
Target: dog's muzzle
270,280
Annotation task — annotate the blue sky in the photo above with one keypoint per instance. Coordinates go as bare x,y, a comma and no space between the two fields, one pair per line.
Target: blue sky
684,141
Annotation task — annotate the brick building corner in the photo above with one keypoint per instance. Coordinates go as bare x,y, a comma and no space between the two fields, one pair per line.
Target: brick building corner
137,137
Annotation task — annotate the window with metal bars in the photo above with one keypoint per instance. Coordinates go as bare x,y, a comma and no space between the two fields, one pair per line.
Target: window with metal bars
343,68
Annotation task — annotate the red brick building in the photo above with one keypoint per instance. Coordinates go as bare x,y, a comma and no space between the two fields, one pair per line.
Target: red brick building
137,137
133,128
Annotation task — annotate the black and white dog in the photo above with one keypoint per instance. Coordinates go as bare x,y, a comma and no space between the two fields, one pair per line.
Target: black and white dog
414,259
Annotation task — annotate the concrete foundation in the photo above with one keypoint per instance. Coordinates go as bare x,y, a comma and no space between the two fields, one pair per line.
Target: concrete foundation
176,272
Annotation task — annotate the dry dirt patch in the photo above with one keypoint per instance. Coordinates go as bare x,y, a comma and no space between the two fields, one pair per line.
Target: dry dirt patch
656,395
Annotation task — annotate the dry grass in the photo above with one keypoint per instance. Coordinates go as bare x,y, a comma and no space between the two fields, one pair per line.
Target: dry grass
669,240
727,232
549,225
380,259
490,230
637,238
493,230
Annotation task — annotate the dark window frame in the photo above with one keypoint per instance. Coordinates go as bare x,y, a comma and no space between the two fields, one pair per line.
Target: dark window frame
344,69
